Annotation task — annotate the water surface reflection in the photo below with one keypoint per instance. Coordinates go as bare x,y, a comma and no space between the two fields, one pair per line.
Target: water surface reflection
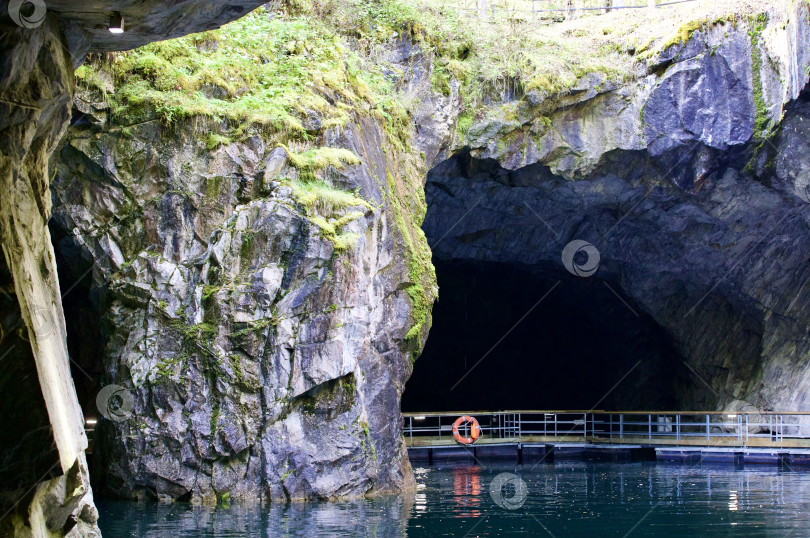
564,500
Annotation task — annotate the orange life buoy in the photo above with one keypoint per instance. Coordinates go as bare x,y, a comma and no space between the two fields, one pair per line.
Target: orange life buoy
475,430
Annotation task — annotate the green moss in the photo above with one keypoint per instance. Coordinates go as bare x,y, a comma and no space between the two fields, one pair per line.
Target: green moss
320,196
167,367
212,187
209,291
350,387
687,30
90,79
762,118
195,340
463,124
261,74
207,331
421,273
239,375
299,6
440,79
215,416
214,140
247,243
258,326
367,437
318,158
315,159
331,231
684,33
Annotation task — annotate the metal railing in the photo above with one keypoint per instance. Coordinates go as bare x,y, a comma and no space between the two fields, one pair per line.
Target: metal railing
545,9
653,427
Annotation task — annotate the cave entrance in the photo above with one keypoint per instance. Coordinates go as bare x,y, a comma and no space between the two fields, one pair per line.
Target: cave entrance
517,331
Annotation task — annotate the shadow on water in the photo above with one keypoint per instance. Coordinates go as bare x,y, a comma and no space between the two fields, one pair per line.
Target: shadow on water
571,499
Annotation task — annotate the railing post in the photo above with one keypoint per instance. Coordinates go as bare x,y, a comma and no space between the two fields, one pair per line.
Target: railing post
573,9
651,4
778,428
746,430
483,6
509,425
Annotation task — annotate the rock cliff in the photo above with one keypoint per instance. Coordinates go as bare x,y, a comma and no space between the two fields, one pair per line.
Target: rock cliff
690,180
262,300
257,301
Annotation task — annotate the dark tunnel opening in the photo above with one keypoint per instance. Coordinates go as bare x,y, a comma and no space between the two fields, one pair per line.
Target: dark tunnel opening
504,337
85,331
512,329
86,335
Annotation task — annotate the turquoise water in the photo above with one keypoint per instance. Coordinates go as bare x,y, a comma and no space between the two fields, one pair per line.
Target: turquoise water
553,500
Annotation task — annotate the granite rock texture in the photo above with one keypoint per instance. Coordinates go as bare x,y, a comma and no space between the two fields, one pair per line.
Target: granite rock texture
41,411
45,487
265,339
692,184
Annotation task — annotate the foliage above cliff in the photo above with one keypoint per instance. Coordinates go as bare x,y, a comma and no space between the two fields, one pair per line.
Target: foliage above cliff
287,78
296,71
275,70
508,51
290,77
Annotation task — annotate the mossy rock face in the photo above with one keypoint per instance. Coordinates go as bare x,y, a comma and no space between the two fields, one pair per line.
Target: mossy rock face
668,176
254,305
259,275
282,76
724,83
253,200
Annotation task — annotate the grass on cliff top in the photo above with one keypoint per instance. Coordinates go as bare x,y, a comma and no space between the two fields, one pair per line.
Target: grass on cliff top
279,74
266,73
271,70
508,51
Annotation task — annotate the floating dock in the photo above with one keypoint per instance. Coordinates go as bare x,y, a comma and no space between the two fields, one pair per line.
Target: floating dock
531,437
